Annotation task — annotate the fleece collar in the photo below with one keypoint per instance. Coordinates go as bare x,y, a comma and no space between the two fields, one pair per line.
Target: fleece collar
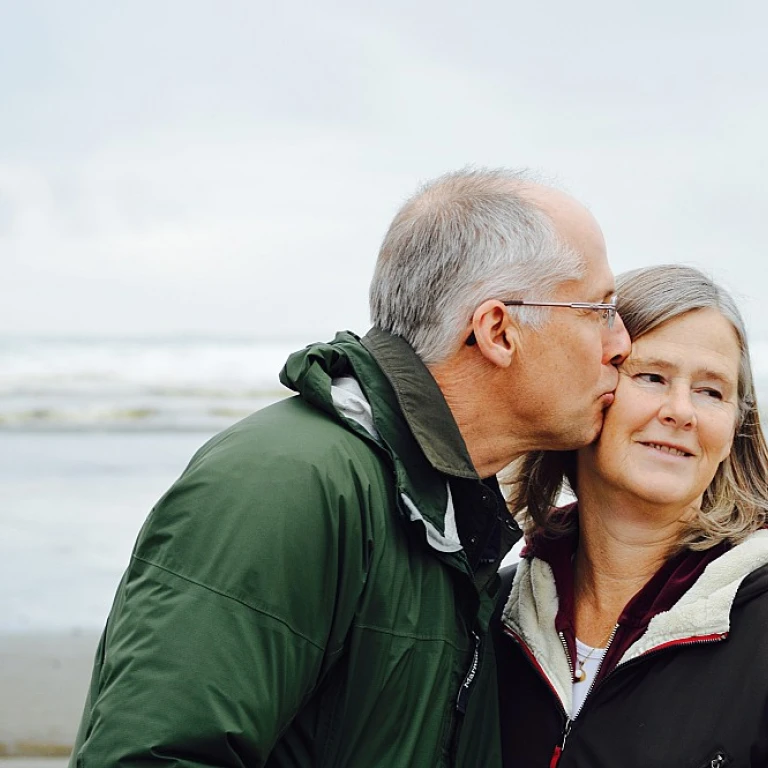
662,591
702,611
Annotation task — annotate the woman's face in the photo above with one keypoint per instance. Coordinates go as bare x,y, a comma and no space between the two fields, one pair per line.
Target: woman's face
674,416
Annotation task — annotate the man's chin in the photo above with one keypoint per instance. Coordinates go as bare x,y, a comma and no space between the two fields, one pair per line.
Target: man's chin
573,440
599,428
592,433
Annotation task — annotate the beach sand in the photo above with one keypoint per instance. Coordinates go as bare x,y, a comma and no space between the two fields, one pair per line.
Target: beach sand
33,762
43,679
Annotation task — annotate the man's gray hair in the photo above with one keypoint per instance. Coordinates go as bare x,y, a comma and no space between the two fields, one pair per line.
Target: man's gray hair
463,238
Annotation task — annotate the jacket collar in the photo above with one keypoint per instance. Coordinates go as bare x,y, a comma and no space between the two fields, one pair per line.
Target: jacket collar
319,373
422,403
698,609
675,577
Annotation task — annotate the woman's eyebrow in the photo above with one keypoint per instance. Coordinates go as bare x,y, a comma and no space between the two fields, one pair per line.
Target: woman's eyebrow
650,362
670,365
710,374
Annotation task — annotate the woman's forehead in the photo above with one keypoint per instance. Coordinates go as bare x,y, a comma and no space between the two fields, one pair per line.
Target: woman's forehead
702,342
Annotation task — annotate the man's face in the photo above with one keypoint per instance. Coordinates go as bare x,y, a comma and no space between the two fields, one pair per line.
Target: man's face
567,374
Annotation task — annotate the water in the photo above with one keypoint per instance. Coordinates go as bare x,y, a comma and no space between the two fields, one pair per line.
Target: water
92,432
72,504
137,384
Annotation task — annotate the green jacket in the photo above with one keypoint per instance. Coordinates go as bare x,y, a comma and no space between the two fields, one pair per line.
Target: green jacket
299,597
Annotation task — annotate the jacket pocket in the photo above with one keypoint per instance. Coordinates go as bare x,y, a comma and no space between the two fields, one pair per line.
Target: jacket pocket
718,759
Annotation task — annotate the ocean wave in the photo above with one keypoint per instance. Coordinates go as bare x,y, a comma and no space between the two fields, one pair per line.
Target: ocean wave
152,384
117,417
87,387
157,384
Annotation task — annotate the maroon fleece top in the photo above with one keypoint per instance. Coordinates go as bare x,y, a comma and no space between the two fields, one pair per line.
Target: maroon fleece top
660,593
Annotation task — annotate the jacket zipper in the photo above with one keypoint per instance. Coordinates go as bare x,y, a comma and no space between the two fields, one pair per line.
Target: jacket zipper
558,751
567,655
535,664
556,755
555,759
594,679
462,697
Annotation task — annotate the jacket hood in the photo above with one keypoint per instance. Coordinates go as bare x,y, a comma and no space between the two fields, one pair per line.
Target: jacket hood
343,379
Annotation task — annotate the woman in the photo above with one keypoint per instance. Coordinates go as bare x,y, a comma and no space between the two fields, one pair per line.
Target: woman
635,632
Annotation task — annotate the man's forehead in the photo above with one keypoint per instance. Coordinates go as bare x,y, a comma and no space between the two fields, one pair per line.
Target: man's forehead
597,283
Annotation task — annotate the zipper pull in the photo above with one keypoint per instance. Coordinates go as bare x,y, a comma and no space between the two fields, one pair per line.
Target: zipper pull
718,759
555,759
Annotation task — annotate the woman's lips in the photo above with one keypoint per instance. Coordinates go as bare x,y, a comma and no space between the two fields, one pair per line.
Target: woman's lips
665,449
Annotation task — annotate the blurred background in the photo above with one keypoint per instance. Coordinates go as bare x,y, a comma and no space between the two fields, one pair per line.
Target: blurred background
191,190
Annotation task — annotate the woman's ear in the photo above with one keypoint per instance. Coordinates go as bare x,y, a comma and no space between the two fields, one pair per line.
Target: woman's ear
496,334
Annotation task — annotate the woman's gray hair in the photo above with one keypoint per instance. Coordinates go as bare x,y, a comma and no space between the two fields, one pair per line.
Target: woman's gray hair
736,502
466,237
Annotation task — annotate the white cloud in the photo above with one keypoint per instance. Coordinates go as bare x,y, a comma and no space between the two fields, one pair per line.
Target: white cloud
235,169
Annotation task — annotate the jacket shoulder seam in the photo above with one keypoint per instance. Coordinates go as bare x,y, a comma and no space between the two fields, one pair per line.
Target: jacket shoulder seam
221,593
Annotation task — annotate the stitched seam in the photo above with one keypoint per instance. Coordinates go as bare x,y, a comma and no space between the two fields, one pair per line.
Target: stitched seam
410,636
215,591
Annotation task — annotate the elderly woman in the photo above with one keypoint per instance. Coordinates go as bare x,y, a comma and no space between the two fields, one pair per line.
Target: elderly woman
635,632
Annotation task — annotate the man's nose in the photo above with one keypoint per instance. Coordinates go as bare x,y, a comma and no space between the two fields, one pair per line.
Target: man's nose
616,343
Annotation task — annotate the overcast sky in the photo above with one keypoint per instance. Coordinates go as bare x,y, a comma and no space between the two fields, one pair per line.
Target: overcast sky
182,166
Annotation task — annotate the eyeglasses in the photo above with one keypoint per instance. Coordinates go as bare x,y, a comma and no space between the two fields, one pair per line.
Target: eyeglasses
607,310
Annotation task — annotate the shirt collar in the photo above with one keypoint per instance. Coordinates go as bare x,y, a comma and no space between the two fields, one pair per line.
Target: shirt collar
422,403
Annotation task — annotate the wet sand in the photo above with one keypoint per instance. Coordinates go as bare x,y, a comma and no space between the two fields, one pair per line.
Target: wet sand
43,679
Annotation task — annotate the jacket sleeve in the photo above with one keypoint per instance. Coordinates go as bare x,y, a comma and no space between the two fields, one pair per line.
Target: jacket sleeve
239,594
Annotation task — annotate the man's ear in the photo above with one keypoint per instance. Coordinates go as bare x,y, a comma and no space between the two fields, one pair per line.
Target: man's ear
496,334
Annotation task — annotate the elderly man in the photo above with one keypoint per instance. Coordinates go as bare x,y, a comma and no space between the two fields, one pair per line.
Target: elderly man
315,590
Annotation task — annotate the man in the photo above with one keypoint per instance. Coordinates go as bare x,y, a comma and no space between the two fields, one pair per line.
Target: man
315,589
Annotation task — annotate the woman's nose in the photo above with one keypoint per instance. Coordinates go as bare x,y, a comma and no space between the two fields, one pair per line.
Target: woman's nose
677,408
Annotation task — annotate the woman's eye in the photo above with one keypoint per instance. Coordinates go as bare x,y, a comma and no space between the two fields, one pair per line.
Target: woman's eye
650,378
714,393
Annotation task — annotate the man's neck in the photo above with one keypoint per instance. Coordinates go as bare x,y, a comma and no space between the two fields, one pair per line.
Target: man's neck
491,441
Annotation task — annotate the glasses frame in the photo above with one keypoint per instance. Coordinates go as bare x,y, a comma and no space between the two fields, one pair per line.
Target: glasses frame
608,307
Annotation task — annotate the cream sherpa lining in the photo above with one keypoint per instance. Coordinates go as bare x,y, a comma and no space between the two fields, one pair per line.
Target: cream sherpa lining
703,610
